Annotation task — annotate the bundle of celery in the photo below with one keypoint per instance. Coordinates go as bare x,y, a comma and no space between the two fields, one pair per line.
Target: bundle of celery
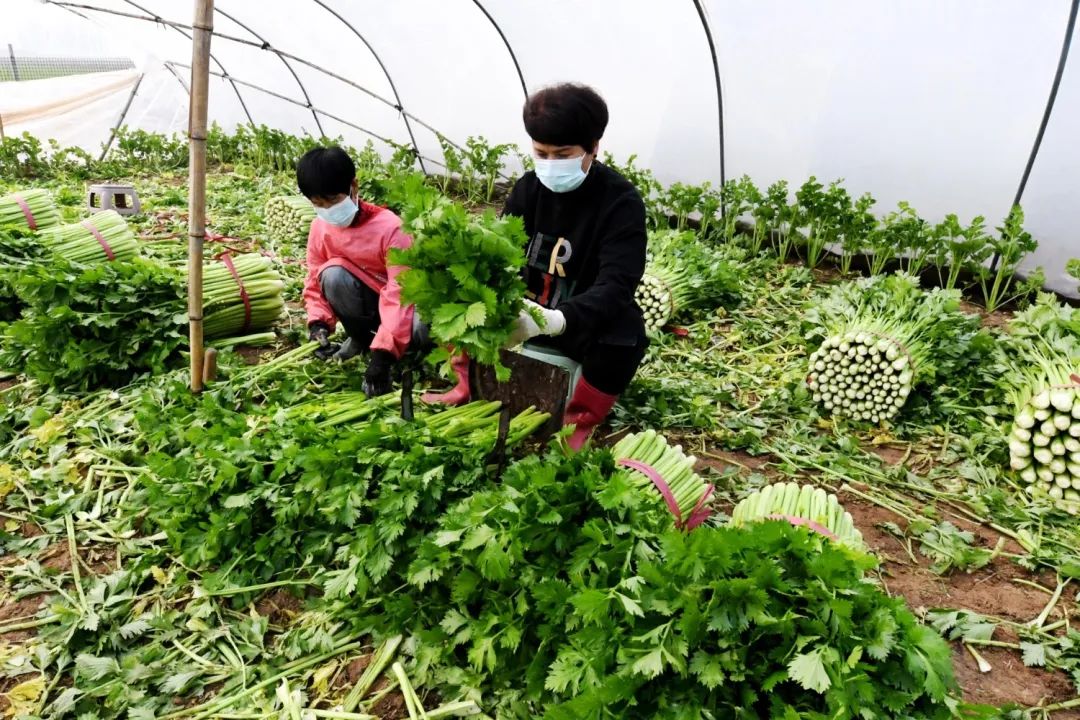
683,273
288,218
101,237
30,209
249,301
883,336
18,248
660,294
648,453
477,422
84,326
1039,361
801,505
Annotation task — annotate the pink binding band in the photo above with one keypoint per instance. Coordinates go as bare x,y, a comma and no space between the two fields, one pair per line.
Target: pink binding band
101,241
25,211
227,259
699,513
816,527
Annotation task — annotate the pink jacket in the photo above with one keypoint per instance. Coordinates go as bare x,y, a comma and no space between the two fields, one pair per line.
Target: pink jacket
362,249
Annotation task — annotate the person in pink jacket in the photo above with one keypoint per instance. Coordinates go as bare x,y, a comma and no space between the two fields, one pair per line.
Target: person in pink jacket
348,279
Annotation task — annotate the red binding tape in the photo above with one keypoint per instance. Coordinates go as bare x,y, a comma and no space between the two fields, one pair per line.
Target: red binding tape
227,259
697,515
25,211
659,482
700,513
816,527
101,240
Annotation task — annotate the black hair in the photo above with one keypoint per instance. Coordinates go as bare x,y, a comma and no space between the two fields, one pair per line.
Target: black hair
566,114
324,172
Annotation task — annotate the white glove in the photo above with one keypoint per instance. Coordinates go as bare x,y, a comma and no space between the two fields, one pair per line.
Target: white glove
553,324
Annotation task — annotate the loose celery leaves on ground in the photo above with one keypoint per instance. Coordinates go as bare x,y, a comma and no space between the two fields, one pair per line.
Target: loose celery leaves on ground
463,273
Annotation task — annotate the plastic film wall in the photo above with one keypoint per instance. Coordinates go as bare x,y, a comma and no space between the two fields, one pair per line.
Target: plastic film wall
935,102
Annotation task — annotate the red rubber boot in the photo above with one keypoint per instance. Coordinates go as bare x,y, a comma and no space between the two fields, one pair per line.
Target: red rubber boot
587,408
459,395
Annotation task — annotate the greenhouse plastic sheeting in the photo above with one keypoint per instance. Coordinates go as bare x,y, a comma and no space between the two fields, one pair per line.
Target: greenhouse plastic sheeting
81,110
933,102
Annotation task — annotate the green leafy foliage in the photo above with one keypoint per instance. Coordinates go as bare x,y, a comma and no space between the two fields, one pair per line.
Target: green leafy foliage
709,276
463,272
958,248
828,213
949,547
87,326
566,583
17,249
999,283
561,583
250,492
961,625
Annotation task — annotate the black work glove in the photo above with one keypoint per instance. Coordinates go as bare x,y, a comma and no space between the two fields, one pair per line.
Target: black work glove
377,377
320,332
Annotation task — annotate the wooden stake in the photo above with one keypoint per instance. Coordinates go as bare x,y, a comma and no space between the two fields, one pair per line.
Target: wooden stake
209,371
200,80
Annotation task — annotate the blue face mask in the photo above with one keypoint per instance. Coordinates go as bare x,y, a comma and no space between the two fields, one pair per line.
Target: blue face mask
341,214
560,175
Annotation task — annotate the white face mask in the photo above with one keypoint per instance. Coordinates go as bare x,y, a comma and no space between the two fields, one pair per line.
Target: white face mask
340,214
562,174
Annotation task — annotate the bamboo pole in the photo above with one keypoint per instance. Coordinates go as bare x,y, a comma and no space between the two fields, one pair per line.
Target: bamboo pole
200,81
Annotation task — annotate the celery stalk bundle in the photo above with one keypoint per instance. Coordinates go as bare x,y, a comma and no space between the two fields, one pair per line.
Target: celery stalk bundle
1039,364
288,218
92,240
661,293
39,204
865,373
691,493
476,423
1044,445
883,337
682,273
224,312
792,502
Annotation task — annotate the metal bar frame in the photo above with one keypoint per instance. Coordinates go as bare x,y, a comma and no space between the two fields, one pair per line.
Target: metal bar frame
393,88
294,101
120,120
719,91
292,71
154,18
509,47
184,27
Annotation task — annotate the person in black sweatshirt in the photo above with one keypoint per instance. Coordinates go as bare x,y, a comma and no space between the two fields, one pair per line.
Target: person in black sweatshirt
585,257
586,252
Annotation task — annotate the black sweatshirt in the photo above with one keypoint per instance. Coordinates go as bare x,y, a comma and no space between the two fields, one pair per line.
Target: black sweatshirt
586,254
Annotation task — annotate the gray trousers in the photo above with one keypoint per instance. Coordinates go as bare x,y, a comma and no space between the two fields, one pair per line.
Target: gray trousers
357,307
